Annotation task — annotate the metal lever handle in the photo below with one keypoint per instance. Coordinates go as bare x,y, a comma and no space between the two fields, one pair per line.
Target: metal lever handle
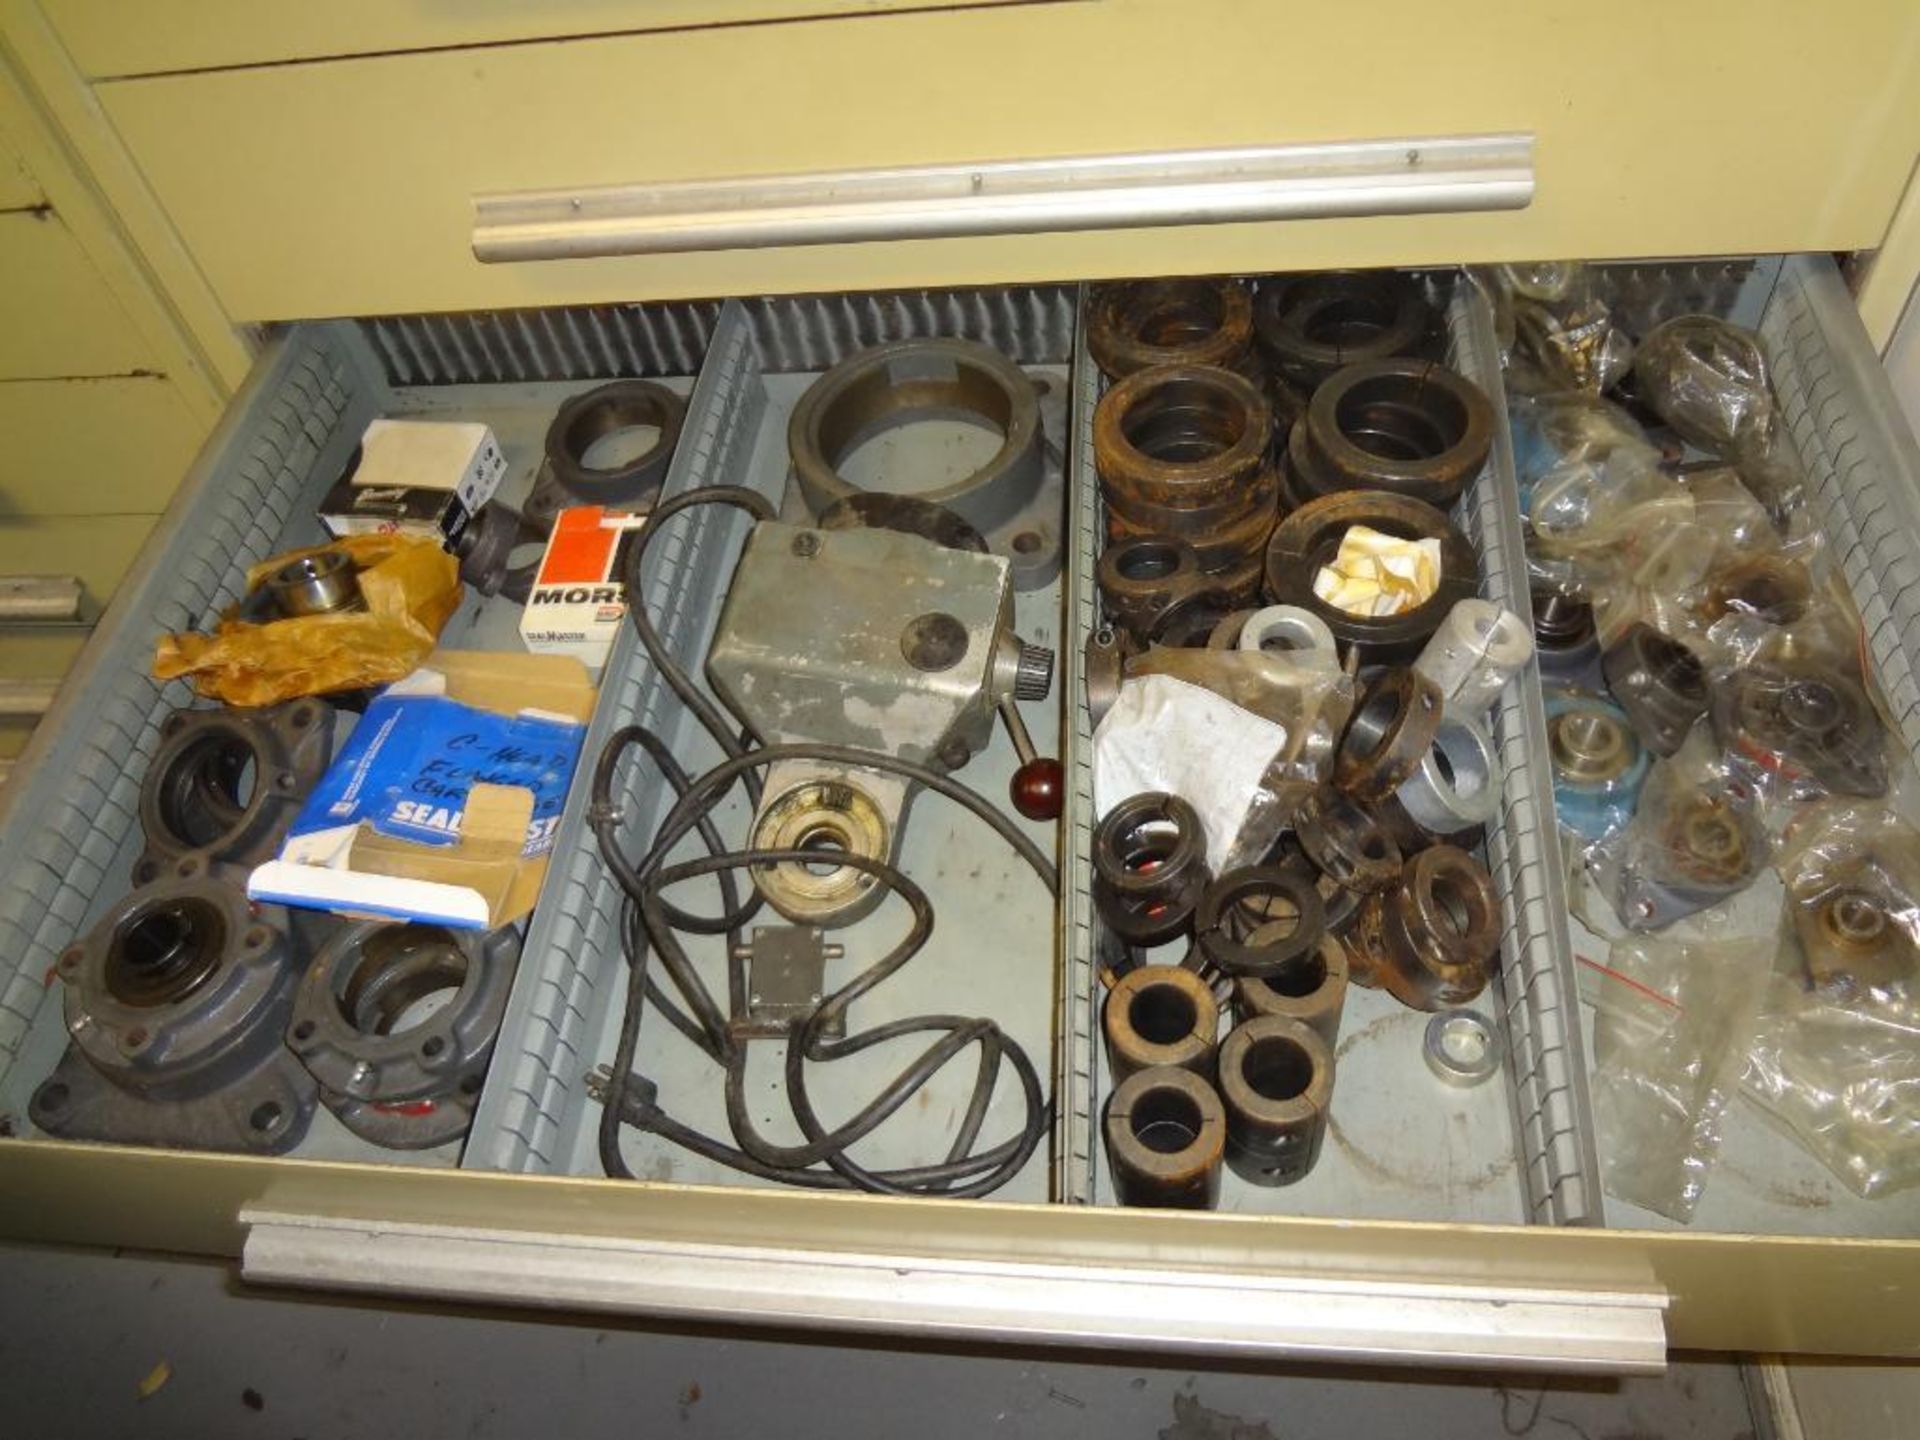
1424,175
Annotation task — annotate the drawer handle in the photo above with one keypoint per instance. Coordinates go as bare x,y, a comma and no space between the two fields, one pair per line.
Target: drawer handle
1420,175
1237,1309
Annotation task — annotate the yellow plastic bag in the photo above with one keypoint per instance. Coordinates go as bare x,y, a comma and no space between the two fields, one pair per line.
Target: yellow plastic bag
411,588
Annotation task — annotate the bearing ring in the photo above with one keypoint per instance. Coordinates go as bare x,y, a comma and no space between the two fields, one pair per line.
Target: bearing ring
177,1002
194,800
1150,868
1165,1134
1309,538
1289,630
1457,786
1409,427
1309,326
1141,324
1435,932
1276,1085
322,583
1313,990
1599,763
1346,844
831,816
1660,684
1259,920
1141,579
1182,450
591,416
1160,1015
1147,846
405,1086
908,380
1461,1048
1390,735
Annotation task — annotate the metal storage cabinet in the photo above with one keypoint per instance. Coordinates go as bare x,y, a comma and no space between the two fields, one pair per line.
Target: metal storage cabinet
1543,1295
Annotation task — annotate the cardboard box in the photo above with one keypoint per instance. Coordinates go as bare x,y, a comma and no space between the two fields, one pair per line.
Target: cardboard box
417,477
579,600
489,870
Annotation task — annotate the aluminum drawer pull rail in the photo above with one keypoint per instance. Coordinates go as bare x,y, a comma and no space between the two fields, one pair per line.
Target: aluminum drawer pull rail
40,598
1416,175
1405,1322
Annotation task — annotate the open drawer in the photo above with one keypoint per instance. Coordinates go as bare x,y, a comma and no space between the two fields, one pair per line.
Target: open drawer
1511,1267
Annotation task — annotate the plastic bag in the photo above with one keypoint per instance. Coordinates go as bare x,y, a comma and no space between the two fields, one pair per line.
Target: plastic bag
1591,489
1696,839
1842,1076
1672,1029
1708,380
410,586
1555,331
1799,730
1246,780
1852,876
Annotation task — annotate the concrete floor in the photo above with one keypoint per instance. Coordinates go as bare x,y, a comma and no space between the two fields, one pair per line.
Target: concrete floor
83,1334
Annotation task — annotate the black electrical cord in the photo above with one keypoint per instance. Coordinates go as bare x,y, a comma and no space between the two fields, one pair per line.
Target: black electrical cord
652,925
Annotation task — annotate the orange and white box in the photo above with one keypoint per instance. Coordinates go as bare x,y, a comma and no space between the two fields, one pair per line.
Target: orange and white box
579,598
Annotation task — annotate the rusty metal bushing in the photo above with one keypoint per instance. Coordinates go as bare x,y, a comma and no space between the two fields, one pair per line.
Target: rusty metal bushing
1166,1133
1139,324
1433,936
1224,536
1312,990
1309,326
1259,920
1659,683
1405,426
1276,1085
1143,922
1150,868
1160,1015
1181,435
1148,845
1390,735
1141,578
1188,622
1310,537
1346,843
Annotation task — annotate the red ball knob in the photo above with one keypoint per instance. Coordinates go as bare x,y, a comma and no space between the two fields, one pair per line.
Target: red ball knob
1038,789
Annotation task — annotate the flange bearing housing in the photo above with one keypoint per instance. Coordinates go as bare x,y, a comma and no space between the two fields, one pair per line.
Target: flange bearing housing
177,1004
396,1070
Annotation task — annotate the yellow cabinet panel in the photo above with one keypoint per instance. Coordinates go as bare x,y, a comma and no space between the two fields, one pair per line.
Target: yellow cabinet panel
18,188
93,447
57,316
110,37
97,548
347,187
